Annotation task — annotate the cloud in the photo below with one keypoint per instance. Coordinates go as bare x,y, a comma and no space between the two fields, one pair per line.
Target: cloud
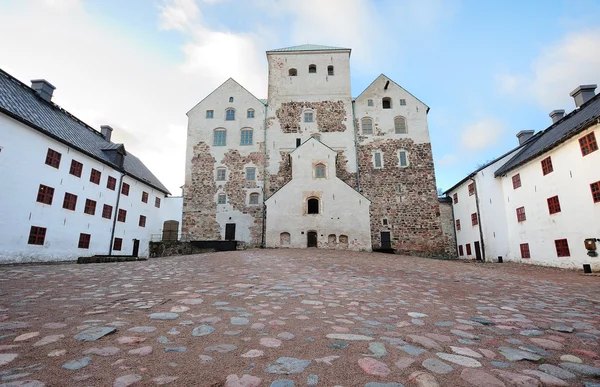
557,70
447,159
178,14
481,134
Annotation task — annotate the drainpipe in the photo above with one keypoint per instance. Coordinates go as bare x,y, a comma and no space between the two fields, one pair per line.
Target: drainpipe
356,147
264,213
479,220
112,233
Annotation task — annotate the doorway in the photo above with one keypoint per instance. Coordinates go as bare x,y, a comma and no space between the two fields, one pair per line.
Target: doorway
477,251
311,239
136,247
230,231
386,242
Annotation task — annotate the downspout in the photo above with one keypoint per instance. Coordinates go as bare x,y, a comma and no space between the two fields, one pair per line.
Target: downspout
264,213
355,147
112,233
479,219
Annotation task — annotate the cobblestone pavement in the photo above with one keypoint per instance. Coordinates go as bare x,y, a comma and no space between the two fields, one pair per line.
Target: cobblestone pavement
298,317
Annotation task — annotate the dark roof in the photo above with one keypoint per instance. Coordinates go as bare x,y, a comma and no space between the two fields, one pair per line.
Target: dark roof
22,103
559,132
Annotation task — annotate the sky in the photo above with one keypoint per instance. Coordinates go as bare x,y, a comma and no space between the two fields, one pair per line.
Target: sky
487,69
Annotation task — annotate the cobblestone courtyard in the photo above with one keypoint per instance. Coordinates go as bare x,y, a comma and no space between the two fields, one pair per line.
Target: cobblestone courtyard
298,317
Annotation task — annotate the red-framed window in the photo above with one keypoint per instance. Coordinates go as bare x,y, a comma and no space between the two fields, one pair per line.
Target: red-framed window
455,198
471,189
53,158
37,235
157,202
588,144
118,244
125,189
547,165
76,168
142,221
122,215
562,248
525,250
84,241
90,207
553,205
107,211
595,187
70,201
45,194
457,224
460,250
516,180
145,197
95,176
474,220
111,183
521,214
468,246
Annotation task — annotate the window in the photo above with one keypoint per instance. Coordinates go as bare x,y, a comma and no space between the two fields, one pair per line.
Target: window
250,113
402,102
229,115
45,194
70,201
125,189
157,202
562,248
142,222
455,198
330,70
253,198
553,205
525,250
595,191
107,211
377,159
122,217
547,166
460,250
369,102
468,246
144,197
53,158
251,174
471,189
84,241
95,176
588,144
230,99
76,168
457,224
521,214
221,174
386,103
308,117
313,206
90,207
400,125
399,188
37,235
210,114
111,183
118,244
220,137
246,138
320,171
516,180
221,199
402,156
474,220
367,125
384,221
312,69
292,72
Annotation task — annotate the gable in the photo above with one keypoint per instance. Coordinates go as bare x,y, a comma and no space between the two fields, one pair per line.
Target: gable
378,86
231,86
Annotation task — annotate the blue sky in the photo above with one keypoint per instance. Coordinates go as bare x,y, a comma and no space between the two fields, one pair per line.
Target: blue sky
487,69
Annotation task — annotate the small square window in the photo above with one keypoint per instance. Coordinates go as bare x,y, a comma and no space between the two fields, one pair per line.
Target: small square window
76,168
122,217
460,250
125,189
253,198
369,102
111,183
595,187
471,189
386,103
90,207
84,241
402,102
37,235
308,117
521,214
474,220
210,114
329,70
221,174
455,198
107,211
250,113
377,159
118,244
45,194
70,201
222,199
95,176
142,222
525,250
53,158
457,224
588,144
250,173
553,205
468,246
144,197
516,180
547,166
562,248
157,202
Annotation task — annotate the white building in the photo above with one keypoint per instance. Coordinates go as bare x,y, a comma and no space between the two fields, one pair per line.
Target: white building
68,191
540,201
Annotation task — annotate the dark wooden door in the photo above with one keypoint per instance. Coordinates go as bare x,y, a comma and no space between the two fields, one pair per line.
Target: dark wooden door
230,231
311,239
136,247
477,251
386,242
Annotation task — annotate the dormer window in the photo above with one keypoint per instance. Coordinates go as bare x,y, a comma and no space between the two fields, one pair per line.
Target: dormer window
329,70
293,72
312,69
386,103
230,99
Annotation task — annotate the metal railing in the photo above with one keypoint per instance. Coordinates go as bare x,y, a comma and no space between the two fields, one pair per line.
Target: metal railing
166,236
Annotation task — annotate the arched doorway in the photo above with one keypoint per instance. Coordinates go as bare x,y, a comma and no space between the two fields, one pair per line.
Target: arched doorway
311,239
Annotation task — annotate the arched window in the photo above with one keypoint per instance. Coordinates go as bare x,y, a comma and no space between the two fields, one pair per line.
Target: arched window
246,137
400,125
313,206
253,198
367,125
403,158
230,99
284,239
386,102
320,171
293,72
250,113
220,137
331,240
344,240
312,69
230,114
330,70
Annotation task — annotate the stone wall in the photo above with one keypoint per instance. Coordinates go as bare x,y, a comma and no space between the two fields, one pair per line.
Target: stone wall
447,220
329,115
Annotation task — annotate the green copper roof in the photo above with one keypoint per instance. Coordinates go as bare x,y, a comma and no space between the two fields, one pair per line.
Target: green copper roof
308,47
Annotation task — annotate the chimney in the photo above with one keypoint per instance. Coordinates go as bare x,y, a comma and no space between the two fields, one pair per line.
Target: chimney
43,88
582,94
106,132
524,135
557,115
